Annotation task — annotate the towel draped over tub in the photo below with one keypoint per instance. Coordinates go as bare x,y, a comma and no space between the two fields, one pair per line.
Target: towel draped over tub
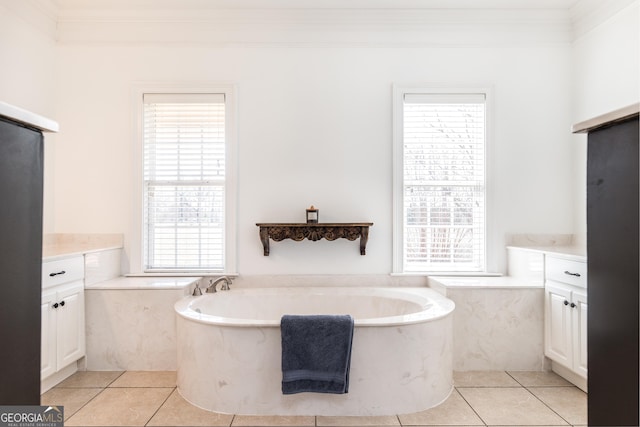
316,353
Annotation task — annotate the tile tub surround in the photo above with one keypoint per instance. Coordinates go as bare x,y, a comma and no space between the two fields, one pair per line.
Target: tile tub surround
102,265
130,322
498,323
545,397
484,337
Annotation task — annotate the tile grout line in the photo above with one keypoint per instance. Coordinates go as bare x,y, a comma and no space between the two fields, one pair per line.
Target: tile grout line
87,402
550,408
139,386
159,406
114,380
59,386
514,378
520,385
472,408
90,400
316,420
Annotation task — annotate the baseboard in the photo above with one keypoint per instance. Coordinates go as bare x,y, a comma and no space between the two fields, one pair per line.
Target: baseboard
570,376
55,379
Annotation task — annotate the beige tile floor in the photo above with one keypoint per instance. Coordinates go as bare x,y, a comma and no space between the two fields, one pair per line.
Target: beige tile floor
493,398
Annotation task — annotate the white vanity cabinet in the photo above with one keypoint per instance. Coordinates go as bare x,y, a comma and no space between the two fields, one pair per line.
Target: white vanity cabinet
566,317
63,319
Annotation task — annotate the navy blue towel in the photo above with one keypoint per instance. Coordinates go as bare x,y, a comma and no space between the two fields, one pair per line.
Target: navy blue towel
316,353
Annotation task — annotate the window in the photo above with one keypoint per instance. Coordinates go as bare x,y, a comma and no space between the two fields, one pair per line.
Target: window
185,182
439,190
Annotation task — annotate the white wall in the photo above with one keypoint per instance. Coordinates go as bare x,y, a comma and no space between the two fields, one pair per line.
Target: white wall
315,122
314,127
606,68
606,76
27,77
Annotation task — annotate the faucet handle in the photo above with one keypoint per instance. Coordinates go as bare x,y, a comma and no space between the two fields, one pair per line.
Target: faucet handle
197,291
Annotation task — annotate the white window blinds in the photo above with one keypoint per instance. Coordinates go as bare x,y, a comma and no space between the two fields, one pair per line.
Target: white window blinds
184,182
444,182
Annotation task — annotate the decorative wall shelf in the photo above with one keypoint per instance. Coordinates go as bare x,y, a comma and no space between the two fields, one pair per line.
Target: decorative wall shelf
314,232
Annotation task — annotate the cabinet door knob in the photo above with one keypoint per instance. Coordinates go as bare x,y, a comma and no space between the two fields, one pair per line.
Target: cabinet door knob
55,305
572,274
566,302
573,305
61,303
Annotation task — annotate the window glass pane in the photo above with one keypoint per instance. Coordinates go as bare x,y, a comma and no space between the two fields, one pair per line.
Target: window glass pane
443,175
184,183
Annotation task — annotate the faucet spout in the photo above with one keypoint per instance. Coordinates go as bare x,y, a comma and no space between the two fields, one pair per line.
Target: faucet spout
212,284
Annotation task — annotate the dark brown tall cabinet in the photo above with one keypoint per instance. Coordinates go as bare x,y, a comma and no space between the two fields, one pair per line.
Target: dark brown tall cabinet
613,267
21,185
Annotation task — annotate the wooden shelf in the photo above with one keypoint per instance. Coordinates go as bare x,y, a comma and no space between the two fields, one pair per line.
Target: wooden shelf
314,232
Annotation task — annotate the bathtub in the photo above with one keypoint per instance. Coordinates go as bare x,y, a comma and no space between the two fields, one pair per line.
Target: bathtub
229,350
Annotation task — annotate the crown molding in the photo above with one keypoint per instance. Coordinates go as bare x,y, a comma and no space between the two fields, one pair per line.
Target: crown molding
589,14
326,22
39,14
103,5
315,26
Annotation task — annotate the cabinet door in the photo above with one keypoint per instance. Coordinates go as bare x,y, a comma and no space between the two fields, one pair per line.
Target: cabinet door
579,314
558,331
71,340
48,335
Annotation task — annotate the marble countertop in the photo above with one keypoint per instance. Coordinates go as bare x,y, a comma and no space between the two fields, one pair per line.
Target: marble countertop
50,253
60,246
571,252
499,282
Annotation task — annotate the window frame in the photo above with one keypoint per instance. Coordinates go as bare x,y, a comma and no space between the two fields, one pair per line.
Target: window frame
398,239
230,241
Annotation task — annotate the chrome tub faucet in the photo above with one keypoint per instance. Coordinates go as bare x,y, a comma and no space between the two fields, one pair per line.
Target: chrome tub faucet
212,284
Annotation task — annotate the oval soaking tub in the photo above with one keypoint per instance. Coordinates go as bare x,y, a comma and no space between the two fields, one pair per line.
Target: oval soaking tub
229,350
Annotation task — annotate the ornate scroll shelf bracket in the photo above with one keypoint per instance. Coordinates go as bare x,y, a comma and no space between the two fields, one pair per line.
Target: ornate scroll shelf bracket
314,232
